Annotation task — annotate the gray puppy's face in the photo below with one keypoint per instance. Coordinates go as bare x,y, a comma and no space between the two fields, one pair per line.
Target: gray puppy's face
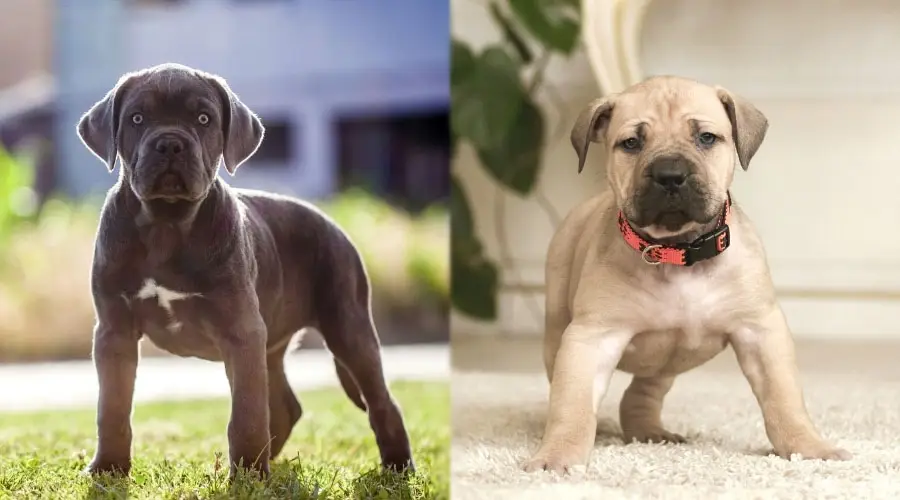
672,145
170,125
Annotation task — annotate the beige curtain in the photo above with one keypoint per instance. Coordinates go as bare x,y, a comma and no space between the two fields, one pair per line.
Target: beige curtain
611,33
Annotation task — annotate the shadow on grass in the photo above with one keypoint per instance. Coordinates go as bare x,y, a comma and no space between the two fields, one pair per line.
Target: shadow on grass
381,484
292,480
108,487
287,480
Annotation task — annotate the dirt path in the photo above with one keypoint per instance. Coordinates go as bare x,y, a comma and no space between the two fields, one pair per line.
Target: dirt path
73,384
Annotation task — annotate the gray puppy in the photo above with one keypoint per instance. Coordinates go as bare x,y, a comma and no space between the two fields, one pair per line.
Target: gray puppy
218,273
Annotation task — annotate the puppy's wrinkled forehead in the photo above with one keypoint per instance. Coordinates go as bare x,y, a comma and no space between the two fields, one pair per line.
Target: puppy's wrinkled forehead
668,105
171,91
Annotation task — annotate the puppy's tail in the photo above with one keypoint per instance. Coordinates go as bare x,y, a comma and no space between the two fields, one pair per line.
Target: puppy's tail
349,385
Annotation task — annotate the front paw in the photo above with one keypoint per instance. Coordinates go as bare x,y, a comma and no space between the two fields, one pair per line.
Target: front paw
559,461
101,465
815,451
404,465
257,469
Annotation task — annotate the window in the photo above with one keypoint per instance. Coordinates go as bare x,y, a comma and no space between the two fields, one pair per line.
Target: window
403,157
277,148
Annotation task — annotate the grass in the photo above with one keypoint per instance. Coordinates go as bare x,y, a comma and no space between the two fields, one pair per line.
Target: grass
180,452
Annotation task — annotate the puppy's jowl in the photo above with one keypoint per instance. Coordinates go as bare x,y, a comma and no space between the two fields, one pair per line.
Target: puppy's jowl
218,273
661,271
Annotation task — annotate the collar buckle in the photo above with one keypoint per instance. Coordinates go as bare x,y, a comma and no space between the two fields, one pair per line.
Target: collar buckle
708,245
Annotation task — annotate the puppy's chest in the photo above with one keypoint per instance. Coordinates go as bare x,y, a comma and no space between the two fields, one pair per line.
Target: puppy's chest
685,302
680,323
173,315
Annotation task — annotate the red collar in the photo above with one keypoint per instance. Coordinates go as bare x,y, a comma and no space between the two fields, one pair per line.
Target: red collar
684,254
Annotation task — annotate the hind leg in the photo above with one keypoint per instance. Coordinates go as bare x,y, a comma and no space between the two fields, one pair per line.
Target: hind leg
641,409
351,337
284,409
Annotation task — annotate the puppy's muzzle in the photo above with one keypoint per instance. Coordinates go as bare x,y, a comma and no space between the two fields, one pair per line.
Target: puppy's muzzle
169,185
670,193
171,156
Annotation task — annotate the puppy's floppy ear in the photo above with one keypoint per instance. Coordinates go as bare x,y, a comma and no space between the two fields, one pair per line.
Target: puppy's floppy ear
99,127
748,125
590,125
243,131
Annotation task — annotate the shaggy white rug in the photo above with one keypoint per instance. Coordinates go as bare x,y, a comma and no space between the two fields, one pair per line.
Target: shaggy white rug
498,419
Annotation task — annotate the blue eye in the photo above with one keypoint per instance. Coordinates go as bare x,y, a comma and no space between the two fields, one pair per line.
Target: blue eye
631,144
137,118
707,139
203,118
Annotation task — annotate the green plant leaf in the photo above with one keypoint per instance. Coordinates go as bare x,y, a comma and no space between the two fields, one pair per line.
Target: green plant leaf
486,97
556,23
473,278
511,34
516,162
462,62
474,288
492,110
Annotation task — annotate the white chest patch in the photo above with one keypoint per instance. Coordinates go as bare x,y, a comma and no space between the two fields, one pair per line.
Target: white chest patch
685,302
164,298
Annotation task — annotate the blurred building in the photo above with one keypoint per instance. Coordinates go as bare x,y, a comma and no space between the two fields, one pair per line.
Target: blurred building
351,93
26,61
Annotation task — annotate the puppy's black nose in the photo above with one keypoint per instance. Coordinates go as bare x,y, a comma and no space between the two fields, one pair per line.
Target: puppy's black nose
670,173
169,145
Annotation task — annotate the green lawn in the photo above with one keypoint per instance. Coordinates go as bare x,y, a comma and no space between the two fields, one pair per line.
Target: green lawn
180,452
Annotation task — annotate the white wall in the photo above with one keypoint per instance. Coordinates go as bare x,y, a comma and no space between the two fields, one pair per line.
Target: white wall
26,41
822,190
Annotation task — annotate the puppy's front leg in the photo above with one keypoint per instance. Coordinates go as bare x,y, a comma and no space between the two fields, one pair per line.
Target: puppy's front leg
244,351
115,353
765,352
588,354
